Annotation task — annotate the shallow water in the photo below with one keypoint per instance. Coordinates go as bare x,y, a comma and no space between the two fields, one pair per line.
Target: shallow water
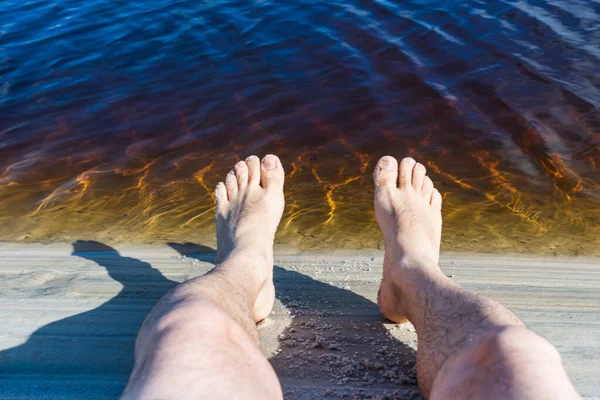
119,117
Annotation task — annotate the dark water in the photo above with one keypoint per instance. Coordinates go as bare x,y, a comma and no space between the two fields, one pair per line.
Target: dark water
117,118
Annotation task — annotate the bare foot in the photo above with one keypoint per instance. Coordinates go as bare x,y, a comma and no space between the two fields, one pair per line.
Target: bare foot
408,210
249,208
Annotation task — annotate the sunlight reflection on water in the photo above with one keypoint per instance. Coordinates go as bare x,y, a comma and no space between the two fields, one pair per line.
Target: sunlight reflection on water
117,122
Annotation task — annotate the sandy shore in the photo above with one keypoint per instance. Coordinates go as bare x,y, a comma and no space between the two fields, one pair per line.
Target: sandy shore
69,320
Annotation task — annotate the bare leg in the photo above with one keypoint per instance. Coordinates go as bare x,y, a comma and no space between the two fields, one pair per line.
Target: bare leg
200,341
469,346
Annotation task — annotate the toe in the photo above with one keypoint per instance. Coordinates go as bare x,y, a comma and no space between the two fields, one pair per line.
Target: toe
221,196
272,174
436,199
253,164
406,171
386,172
232,185
427,188
241,173
418,176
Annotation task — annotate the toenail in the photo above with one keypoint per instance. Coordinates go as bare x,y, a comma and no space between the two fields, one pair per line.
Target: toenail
269,163
387,165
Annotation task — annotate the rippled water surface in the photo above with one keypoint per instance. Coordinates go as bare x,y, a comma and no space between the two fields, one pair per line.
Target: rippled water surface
117,118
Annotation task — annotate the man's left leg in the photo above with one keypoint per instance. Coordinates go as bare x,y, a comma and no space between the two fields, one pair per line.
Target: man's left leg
200,341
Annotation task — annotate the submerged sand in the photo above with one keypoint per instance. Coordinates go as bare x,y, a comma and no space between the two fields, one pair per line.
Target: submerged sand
70,320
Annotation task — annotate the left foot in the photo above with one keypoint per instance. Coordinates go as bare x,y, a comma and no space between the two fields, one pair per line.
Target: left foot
249,208
408,211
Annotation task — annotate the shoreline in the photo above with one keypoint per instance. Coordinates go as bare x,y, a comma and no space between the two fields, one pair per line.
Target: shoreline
192,247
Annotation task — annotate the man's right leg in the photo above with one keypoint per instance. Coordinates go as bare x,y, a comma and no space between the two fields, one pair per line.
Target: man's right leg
200,341
469,346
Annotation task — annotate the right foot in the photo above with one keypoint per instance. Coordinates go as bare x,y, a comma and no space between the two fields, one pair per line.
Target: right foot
249,208
408,211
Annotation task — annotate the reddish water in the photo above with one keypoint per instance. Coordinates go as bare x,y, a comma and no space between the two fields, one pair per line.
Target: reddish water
118,118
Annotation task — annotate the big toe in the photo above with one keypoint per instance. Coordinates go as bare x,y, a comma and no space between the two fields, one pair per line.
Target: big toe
272,174
436,199
386,172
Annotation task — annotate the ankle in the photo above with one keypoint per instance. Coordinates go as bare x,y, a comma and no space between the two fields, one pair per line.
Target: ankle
248,269
413,281
422,264
250,253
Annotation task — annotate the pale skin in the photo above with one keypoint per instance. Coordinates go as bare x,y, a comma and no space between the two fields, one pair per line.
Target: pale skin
470,347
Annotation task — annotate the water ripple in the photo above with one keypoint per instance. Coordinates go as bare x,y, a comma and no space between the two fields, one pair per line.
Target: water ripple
118,118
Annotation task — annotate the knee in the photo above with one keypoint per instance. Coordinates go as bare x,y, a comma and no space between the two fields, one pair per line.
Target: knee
184,321
513,344
194,316
512,356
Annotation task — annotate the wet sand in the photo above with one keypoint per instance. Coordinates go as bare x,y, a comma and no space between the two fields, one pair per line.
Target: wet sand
70,320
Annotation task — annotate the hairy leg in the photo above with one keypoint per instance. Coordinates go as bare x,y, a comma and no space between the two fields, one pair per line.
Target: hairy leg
200,341
469,346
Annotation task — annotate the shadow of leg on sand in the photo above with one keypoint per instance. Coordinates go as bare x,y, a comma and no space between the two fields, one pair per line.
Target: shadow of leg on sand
92,344
334,344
